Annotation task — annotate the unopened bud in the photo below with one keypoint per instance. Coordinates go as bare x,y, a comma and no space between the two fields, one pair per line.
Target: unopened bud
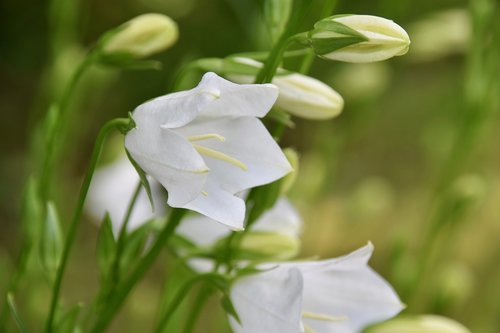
358,38
299,95
269,245
419,324
141,37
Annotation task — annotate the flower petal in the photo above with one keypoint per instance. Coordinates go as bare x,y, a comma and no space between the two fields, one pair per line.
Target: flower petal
268,302
219,205
237,100
347,288
171,160
172,110
283,219
247,140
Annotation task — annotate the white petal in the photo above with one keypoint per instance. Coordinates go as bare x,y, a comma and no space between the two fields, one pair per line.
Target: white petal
172,110
111,190
347,287
268,302
283,218
219,205
248,141
201,230
171,160
237,100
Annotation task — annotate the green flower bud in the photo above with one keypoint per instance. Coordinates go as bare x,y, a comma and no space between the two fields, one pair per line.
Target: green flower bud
419,324
358,38
140,37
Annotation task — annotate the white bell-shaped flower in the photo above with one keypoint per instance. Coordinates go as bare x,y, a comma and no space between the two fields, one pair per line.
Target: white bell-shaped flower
206,144
341,295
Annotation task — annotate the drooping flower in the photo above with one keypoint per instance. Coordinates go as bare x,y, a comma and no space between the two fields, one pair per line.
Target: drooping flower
300,95
358,38
111,190
340,295
206,144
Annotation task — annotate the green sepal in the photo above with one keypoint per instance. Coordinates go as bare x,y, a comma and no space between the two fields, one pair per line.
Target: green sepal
281,117
228,306
51,245
106,247
126,60
342,36
262,198
67,321
144,180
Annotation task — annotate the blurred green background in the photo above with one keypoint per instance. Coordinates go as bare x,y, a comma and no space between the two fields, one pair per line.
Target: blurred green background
412,163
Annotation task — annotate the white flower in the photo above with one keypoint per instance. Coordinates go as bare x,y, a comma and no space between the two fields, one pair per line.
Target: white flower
206,144
300,95
142,36
419,324
384,38
340,295
111,191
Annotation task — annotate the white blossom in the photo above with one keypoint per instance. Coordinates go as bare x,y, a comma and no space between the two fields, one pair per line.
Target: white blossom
206,144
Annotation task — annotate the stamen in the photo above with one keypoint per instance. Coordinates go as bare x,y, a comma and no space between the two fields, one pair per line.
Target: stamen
220,156
205,193
213,93
308,329
206,136
319,316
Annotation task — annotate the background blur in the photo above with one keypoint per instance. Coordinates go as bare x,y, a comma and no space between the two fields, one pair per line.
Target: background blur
412,163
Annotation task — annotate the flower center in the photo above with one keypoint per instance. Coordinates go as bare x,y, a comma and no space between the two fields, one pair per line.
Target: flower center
215,153
322,317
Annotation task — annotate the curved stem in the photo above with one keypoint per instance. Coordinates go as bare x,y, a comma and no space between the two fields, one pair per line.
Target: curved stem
75,221
124,290
54,134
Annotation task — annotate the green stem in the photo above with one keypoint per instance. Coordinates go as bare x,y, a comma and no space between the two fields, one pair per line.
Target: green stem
53,137
299,10
124,290
75,222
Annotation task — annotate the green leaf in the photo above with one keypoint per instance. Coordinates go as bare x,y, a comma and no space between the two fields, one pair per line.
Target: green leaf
15,313
32,210
143,178
106,247
228,306
67,323
51,245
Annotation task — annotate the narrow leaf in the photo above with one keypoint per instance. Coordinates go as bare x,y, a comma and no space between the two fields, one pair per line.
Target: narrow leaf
68,321
13,310
106,246
51,246
228,306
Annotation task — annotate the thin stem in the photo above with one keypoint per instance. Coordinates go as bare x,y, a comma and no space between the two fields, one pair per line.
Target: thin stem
75,222
53,137
124,290
121,237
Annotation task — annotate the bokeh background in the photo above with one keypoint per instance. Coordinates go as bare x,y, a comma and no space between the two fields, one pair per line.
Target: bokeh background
412,164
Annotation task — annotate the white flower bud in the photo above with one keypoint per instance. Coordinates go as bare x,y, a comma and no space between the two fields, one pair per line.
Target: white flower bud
418,324
142,36
299,95
358,38
270,245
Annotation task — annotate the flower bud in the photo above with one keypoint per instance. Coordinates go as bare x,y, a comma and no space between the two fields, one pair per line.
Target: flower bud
419,324
141,37
358,38
299,95
269,245
288,181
